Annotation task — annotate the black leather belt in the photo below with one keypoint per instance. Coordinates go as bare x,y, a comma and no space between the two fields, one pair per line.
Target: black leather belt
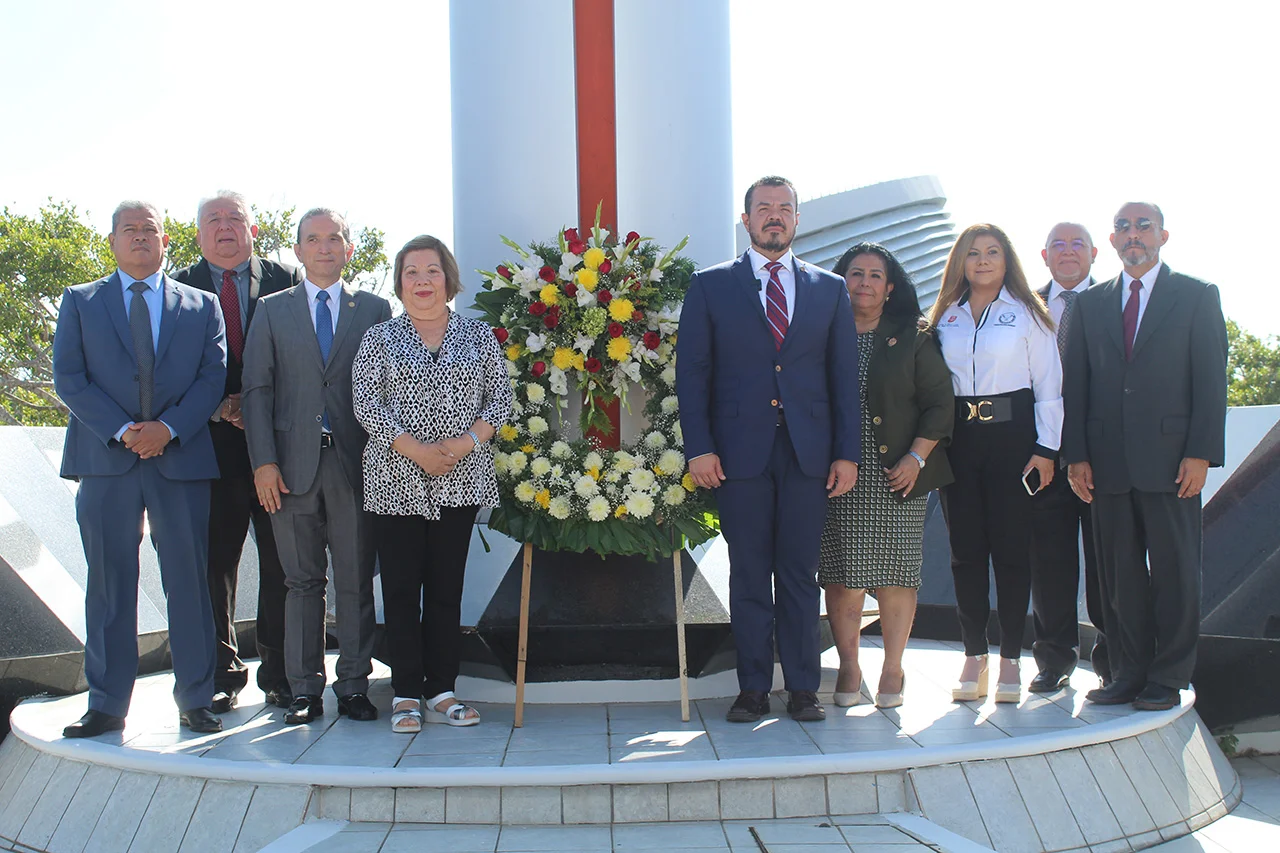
984,410
326,440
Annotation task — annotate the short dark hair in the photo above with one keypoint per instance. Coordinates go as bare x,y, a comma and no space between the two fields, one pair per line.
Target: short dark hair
134,204
903,303
769,181
332,214
452,278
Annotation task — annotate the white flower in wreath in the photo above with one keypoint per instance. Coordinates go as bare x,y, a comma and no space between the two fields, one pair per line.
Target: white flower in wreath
671,462
669,320
612,491
561,450
517,408
593,460
585,298
641,479
678,432
560,508
632,370
598,508
567,263
670,404
623,462
535,342
558,381
557,472
674,495
655,440
539,466
512,370
665,349
583,343
586,486
526,278
537,425
516,462
668,376
500,462
535,393
525,492
640,505
655,274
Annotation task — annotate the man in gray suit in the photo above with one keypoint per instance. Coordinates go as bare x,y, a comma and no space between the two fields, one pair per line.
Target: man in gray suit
305,446
1145,395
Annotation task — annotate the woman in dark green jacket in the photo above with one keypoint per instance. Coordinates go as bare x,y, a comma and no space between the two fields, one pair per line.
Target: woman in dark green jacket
874,534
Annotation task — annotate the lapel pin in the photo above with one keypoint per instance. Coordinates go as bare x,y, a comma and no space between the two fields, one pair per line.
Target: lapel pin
351,304
893,342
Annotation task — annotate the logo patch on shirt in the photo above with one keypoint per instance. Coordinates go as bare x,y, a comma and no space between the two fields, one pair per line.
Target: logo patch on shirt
1006,319
951,319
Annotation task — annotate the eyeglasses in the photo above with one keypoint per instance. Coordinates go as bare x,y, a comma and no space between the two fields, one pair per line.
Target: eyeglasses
1074,245
1142,225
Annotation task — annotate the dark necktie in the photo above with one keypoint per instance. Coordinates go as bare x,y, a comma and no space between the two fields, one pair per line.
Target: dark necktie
776,302
143,349
1068,298
230,300
1131,318
324,335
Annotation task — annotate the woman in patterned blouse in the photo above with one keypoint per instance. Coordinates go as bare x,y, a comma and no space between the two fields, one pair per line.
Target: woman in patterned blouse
430,387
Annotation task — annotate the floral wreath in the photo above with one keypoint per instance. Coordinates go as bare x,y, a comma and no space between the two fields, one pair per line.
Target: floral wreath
594,316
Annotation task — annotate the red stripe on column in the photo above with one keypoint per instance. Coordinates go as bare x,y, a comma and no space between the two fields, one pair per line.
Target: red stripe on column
597,121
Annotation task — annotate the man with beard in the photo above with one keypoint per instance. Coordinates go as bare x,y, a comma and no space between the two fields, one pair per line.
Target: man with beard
1145,395
767,380
225,232
1058,517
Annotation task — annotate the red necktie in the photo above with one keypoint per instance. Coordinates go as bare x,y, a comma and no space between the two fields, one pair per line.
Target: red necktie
776,302
1131,318
231,313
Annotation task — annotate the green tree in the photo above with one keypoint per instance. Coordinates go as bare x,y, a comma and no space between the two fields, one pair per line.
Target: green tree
39,257
1253,368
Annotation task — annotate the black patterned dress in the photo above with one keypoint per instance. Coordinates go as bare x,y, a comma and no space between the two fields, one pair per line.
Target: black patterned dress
872,538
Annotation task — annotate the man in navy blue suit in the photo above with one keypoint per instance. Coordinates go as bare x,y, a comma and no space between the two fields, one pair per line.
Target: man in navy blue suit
767,376
139,360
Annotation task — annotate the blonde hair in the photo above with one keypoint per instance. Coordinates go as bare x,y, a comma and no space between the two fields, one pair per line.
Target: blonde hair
955,286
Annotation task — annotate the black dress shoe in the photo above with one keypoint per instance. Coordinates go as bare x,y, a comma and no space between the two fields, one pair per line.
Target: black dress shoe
804,707
304,709
749,707
1115,693
92,724
358,707
1048,681
200,720
224,701
281,696
1157,697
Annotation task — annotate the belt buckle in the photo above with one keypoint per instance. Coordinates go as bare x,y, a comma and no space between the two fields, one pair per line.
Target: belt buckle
977,413
326,440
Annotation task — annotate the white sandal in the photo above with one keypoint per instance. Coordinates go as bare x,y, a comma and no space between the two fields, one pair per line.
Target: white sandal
406,720
455,715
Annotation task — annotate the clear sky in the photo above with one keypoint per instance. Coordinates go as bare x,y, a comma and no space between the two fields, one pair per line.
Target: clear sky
1029,112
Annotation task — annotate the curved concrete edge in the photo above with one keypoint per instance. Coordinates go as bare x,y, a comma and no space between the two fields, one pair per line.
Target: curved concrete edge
878,761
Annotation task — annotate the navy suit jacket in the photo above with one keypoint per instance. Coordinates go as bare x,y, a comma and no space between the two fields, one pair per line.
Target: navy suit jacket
95,373
730,377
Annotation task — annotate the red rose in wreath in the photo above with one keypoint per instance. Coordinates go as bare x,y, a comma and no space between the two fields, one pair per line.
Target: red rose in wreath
504,272
632,237
615,330
570,289
593,365
537,309
551,321
577,247
571,235
539,368
604,297
605,266
501,334
547,274
652,339
637,315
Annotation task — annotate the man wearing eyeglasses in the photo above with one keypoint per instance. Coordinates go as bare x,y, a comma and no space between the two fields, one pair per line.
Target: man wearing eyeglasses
1145,394
1058,516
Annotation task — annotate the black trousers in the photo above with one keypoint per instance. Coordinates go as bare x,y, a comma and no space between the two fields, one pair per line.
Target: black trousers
1059,521
422,564
988,514
233,501
1149,550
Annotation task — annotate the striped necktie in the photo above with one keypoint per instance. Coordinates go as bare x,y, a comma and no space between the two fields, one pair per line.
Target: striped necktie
776,302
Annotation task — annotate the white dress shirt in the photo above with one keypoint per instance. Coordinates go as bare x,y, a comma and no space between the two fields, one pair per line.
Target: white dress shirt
1144,293
786,276
335,299
1005,349
1057,305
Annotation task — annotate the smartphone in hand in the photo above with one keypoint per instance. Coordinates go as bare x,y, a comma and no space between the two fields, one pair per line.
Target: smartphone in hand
1031,481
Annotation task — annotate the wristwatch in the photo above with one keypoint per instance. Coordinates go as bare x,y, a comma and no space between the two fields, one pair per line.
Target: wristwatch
917,457
476,438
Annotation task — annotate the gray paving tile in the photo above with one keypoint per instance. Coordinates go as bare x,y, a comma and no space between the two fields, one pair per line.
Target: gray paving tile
1005,816
1114,783
531,838
273,811
219,814
86,807
586,804
23,797
944,797
1146,780
800,796
531,805
669,836
123,813
52,805
1046,803
420,805
168,815
351,842
555,757
1088,805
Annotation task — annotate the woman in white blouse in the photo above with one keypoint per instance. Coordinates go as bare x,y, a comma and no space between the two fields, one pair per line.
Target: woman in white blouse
998,340
431,388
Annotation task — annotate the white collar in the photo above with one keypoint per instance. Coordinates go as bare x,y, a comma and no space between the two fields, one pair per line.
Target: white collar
1055,289
1148,278
758,260
334,290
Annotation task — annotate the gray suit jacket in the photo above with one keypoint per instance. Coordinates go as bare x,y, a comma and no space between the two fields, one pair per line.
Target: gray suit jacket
1135,421
288,387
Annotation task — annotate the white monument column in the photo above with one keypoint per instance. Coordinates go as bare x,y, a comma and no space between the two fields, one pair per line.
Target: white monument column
513,119
675,133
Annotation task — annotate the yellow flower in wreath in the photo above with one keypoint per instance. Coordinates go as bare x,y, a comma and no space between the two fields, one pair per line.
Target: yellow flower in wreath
579,361
687,482
594,473
619,348
563,358
513,352
587,278
593,258
543,498
620,511
620,310
528,448
507,432
549,295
